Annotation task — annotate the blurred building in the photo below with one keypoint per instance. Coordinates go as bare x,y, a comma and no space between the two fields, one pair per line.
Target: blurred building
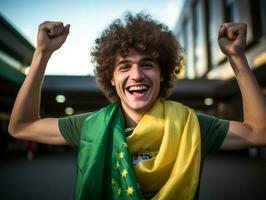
15,55
197,31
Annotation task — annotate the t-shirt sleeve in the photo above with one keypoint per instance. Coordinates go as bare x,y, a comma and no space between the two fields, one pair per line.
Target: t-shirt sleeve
70,127
213,132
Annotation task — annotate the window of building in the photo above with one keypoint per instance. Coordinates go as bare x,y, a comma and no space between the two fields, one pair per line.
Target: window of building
184,42
188,47
256,19
199,53
212,33
258,10
230,8
263,15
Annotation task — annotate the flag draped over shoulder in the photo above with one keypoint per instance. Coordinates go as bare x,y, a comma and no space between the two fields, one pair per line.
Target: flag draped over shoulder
104,163
173,130
105,168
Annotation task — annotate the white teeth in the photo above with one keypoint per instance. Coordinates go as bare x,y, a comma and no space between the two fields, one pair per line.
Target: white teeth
139,87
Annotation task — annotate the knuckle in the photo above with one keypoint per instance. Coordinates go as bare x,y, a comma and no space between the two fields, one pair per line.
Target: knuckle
58,24
227,24
54,26
44,23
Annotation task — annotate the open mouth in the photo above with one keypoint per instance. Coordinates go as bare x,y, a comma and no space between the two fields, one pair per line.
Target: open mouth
138,90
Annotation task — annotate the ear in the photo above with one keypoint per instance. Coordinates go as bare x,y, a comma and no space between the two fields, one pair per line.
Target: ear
112,82
161,78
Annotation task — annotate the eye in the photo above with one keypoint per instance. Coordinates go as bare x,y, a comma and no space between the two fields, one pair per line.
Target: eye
124,67
147,65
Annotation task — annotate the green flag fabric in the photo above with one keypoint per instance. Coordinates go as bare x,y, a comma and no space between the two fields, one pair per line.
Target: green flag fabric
105,168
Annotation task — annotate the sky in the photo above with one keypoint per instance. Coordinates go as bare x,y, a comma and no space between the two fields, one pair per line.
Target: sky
87,19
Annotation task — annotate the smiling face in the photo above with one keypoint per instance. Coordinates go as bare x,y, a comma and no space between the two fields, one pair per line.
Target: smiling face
137,80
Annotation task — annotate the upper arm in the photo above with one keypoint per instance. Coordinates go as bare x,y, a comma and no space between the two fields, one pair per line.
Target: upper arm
241,136
43,130
70,127
213,131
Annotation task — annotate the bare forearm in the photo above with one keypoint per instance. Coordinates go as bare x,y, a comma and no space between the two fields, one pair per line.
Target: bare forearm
27,104
254,105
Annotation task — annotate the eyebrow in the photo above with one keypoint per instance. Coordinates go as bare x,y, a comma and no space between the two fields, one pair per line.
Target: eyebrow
150,59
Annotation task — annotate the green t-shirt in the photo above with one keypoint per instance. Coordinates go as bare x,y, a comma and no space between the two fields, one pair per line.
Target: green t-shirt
213,131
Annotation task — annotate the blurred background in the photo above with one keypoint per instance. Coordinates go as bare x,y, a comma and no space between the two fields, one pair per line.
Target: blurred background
36,171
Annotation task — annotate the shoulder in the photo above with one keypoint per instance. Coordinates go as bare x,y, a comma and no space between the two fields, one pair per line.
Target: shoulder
76,120
70,127
211,122
213,131
175,106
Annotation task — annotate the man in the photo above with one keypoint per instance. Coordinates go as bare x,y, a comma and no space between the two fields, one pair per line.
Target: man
140,146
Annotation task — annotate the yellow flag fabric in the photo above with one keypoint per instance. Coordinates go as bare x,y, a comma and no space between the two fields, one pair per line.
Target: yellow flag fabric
173,130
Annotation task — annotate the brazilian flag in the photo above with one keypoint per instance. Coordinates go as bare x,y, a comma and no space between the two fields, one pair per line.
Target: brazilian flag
105,168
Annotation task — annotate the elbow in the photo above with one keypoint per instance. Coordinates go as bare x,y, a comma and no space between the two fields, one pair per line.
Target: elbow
19,129
263,132
260,137
256,134
13,130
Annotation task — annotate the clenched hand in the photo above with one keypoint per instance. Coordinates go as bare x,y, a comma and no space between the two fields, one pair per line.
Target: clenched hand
51,36
232,39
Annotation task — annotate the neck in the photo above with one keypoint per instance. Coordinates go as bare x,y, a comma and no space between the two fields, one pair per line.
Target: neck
132,117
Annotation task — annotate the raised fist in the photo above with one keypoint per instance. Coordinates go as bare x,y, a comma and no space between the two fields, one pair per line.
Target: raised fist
51,35
232,38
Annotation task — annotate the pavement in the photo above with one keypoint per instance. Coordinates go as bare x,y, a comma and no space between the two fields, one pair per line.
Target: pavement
226,175
48,176
234,176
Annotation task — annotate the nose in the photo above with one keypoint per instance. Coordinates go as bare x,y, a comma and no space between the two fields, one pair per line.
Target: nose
136,73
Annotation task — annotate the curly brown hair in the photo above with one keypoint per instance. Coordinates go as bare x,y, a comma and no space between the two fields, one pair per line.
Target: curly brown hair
142,33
